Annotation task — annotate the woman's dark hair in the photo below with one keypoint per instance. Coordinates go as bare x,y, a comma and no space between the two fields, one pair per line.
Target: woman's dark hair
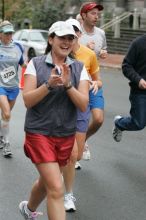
76,29
49,47
71,55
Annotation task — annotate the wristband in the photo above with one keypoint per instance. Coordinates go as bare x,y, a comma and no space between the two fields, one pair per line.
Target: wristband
48,86
69,86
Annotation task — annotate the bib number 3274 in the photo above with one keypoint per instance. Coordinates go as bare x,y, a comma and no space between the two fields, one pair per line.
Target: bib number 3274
8,73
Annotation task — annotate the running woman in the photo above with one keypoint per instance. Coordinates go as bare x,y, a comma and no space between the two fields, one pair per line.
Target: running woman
11,56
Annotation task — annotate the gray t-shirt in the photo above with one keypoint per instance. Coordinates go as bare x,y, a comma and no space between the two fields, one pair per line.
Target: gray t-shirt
11,57
98,37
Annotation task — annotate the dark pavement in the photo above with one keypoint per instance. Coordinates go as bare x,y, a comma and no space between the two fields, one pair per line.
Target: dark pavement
111,186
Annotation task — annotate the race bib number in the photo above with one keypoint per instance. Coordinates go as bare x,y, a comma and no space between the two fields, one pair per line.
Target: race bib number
7,74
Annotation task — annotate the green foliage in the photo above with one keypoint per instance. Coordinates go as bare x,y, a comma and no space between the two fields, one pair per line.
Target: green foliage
76,2
45,16
40,13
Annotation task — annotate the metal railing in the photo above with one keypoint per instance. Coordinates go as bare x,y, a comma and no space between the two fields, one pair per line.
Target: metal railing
115,20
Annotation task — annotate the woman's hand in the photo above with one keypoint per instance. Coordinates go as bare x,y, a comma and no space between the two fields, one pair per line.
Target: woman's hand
65,74
94,86
54,79
60,80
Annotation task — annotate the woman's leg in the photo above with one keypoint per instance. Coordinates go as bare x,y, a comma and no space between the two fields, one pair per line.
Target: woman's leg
96,121
69,170
52,180
38,194
80,138
6,107
5,117
69,176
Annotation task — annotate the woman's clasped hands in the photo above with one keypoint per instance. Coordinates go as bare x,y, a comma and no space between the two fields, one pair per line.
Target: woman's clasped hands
61,77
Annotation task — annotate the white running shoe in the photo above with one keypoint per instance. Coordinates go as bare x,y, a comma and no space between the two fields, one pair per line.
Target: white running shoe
78,166
24,212
86,153
7,150
117,133
69,205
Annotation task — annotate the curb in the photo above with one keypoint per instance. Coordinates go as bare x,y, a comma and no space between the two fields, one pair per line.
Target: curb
111,66
112,61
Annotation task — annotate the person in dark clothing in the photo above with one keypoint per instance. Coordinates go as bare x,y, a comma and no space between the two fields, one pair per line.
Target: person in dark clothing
139,20
134,68
131,20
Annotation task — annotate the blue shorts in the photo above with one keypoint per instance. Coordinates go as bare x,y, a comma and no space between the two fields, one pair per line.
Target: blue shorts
83,120
11,93
96,101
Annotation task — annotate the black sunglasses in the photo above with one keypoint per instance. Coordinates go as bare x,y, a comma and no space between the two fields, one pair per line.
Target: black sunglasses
8,33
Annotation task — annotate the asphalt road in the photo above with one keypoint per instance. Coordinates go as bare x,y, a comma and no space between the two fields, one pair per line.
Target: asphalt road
111,186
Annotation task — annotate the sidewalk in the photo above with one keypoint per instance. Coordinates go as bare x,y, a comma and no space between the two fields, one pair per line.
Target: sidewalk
112,61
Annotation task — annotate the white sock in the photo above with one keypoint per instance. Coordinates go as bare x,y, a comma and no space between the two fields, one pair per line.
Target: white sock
5,130
69,193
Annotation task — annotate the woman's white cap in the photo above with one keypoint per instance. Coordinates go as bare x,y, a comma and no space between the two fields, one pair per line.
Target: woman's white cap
61,28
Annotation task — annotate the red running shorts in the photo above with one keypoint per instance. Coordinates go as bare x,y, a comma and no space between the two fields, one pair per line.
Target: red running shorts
43,149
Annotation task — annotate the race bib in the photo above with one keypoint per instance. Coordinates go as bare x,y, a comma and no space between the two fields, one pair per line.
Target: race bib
7,74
